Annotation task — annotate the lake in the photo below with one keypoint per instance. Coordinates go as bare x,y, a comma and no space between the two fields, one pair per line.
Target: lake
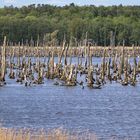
113,110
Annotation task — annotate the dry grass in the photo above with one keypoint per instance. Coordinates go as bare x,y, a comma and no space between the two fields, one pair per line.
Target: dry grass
57,134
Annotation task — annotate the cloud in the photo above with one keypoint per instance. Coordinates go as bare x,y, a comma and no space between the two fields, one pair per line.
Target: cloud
9,1
57,2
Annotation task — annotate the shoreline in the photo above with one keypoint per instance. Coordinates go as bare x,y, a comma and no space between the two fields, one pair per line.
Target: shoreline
95,51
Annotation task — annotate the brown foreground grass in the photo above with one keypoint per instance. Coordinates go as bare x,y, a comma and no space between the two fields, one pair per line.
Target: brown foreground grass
57,134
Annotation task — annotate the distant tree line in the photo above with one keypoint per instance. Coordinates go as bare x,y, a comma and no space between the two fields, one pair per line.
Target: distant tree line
112,25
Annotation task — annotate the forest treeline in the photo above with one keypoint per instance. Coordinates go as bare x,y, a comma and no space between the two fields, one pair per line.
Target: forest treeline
112,25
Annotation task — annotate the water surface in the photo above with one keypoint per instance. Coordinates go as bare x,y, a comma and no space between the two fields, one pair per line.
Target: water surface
113,110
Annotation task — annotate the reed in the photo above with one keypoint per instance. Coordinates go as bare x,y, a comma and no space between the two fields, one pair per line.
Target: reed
57,134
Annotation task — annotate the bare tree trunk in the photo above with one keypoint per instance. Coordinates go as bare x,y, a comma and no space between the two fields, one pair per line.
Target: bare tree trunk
3,63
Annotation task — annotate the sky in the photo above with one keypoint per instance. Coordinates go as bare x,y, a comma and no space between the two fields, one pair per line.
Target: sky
20,3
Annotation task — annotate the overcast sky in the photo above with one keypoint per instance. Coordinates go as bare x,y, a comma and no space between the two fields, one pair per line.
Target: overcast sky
64,2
